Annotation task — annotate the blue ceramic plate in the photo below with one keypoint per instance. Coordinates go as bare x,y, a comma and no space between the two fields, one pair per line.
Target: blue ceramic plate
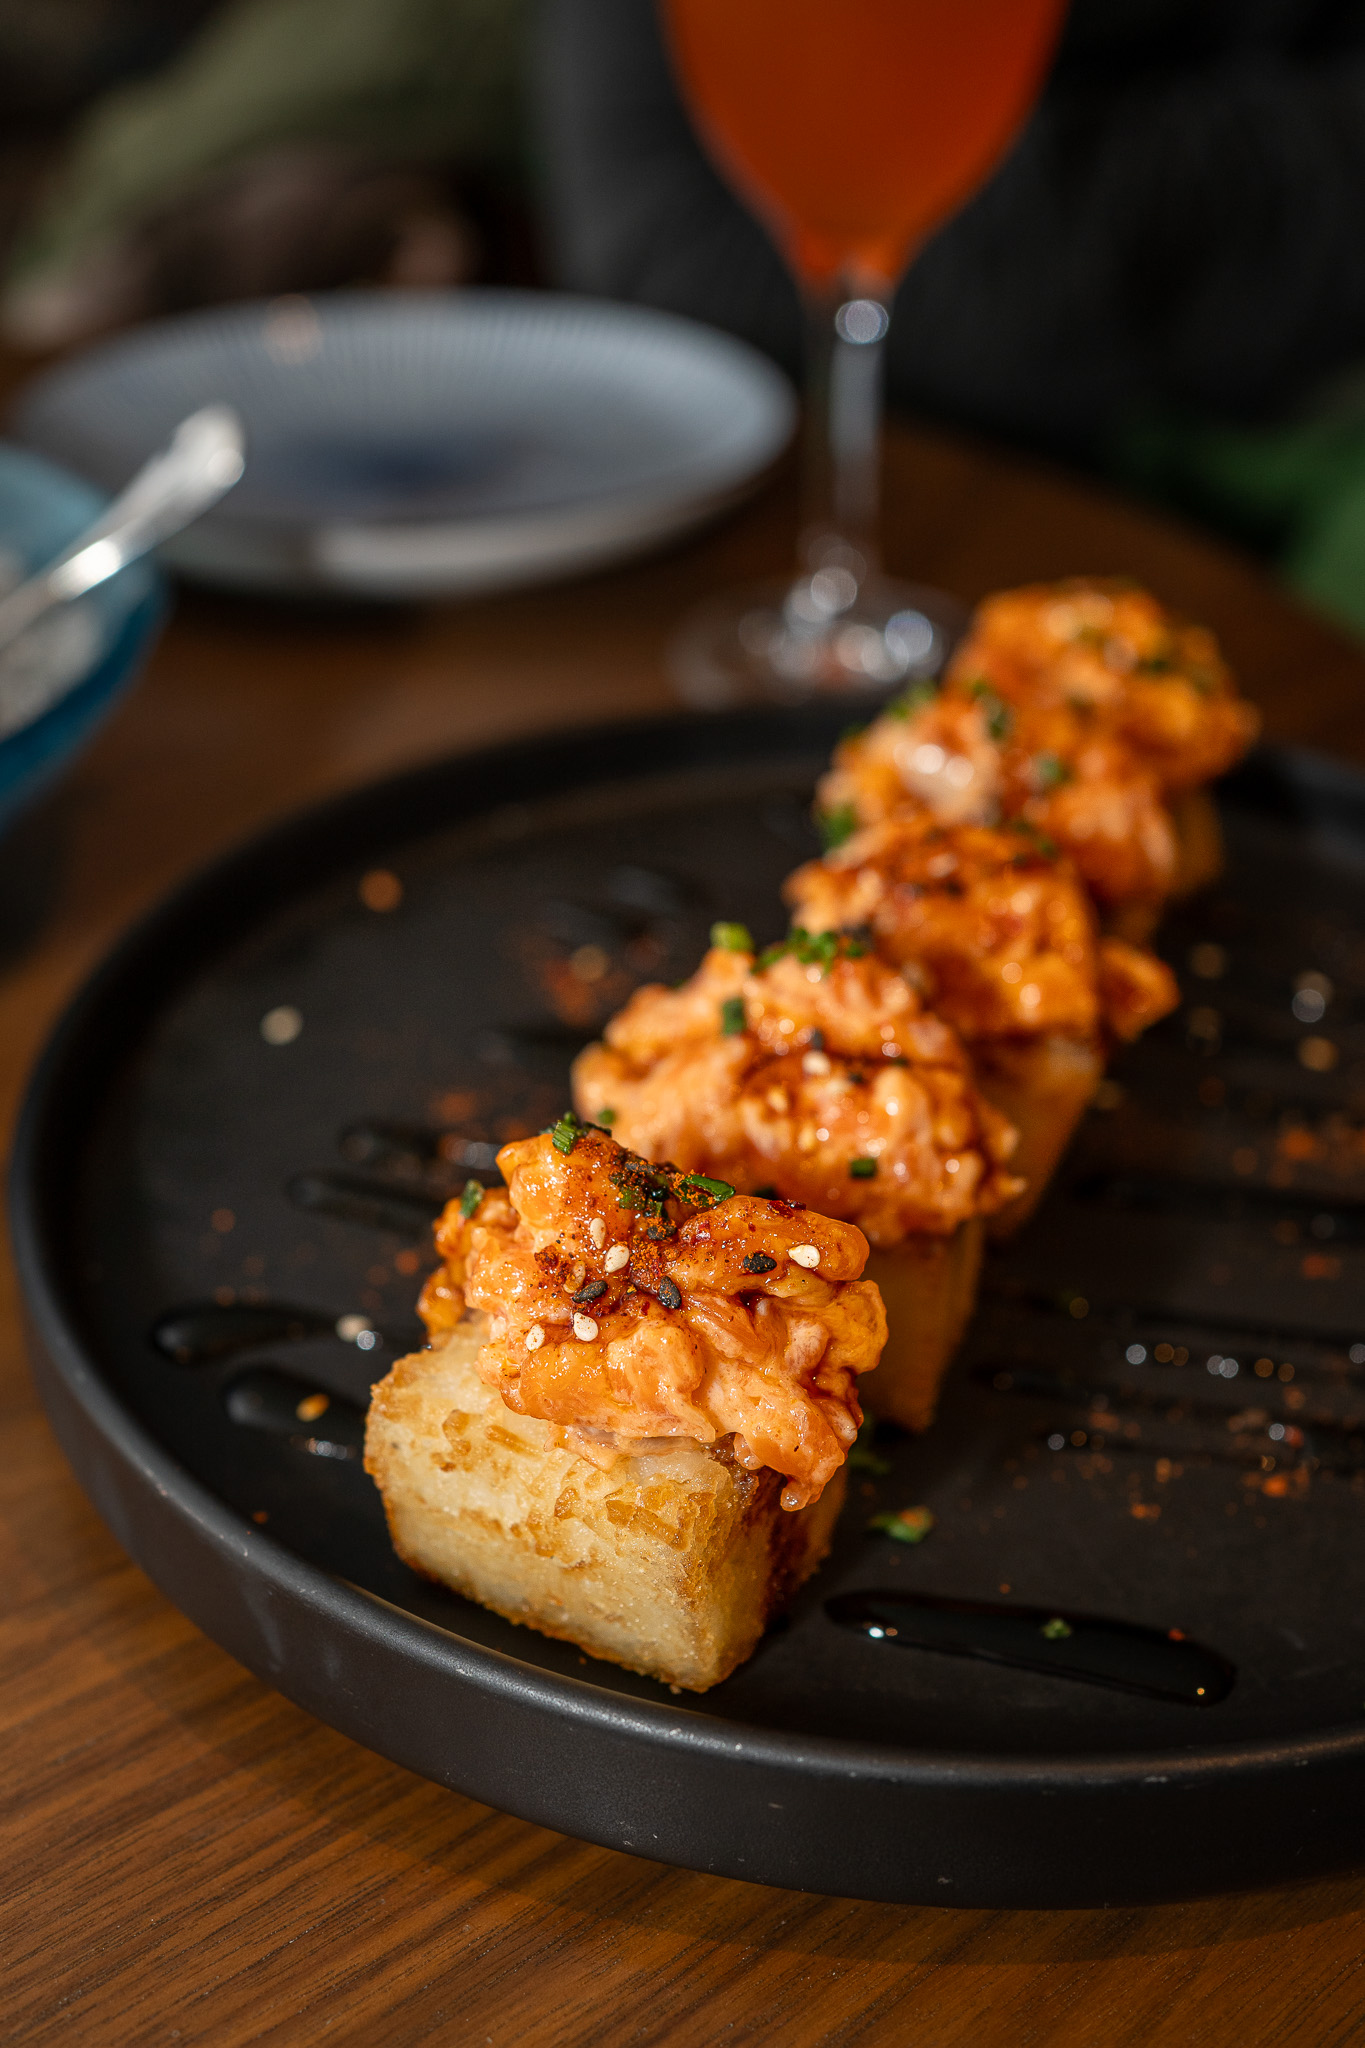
59,682
404,444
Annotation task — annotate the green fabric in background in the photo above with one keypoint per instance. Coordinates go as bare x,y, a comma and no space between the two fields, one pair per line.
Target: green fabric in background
1295,491
407,79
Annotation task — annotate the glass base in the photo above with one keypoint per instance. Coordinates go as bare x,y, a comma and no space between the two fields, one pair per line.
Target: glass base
787,642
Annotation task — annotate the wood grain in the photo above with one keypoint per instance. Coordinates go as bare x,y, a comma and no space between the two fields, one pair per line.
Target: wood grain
188,1858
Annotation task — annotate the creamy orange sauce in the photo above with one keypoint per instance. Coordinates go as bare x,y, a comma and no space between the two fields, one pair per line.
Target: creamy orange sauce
826,1079
1002,937
1078,707
635,1310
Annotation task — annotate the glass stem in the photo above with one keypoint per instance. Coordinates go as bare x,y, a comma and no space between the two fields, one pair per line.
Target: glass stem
846,339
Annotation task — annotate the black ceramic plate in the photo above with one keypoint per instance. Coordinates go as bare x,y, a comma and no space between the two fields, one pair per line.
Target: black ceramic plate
241,1130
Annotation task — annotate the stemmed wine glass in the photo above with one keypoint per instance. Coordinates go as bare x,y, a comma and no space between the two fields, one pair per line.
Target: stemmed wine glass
854,128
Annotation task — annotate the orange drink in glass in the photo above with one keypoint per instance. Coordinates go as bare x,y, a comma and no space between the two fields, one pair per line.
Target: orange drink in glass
853,128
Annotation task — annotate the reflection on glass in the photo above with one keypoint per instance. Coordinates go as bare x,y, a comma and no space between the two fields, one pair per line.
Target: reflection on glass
854,128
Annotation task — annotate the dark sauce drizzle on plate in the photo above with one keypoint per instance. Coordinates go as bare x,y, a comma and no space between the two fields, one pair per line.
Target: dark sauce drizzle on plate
1161,1664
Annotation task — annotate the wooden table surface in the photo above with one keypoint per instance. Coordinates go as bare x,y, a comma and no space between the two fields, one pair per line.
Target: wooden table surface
188,1857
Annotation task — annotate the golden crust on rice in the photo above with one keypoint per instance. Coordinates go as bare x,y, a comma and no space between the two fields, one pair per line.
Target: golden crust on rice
669,1564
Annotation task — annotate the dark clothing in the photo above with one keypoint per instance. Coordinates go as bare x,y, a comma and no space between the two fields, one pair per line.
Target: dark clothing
1181,225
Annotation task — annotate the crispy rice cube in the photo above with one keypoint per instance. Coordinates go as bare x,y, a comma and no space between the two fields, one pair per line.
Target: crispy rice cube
1044,1086
671,1565
929,1287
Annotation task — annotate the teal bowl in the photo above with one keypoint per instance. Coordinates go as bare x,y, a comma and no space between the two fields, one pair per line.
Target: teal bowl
42,508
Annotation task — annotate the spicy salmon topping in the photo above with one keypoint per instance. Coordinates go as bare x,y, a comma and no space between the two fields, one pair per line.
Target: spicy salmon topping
1109,649
636,1304
815,1072
998,932
1079,708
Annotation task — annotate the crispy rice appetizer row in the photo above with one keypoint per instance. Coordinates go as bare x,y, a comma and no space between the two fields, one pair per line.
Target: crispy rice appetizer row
1084,709
816,1073
630,1427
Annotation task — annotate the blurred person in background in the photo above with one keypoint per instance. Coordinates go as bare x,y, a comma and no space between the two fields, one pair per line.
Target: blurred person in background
1164,281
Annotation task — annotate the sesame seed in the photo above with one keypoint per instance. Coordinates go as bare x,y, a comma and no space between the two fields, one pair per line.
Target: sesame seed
597,1231
617,1257
584,1328
815,1063
804,1255
281,1026
535,1337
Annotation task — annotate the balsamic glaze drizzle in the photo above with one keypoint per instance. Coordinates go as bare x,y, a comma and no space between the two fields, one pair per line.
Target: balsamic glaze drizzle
1161,1664
407,1210
1047,1386
280,1403
210,1332
205,1332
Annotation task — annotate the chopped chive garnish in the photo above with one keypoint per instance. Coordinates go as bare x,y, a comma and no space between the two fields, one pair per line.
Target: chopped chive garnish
732,1016
732,938
907,1525
715,1190
1050,771
1056,1630
471,1198
853,732
912,700
1047,847
566,1132
836,825
815,949
997,713
765,1194
862,1169
606,1117
640,1187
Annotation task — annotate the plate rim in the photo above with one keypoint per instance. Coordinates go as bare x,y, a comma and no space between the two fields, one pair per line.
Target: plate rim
258,551
69,1375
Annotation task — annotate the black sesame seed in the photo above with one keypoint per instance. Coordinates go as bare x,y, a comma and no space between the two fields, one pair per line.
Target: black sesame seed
591,1291
758,1262
669,1295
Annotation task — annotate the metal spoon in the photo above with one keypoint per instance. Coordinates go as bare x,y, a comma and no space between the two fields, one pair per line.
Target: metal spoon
203,459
